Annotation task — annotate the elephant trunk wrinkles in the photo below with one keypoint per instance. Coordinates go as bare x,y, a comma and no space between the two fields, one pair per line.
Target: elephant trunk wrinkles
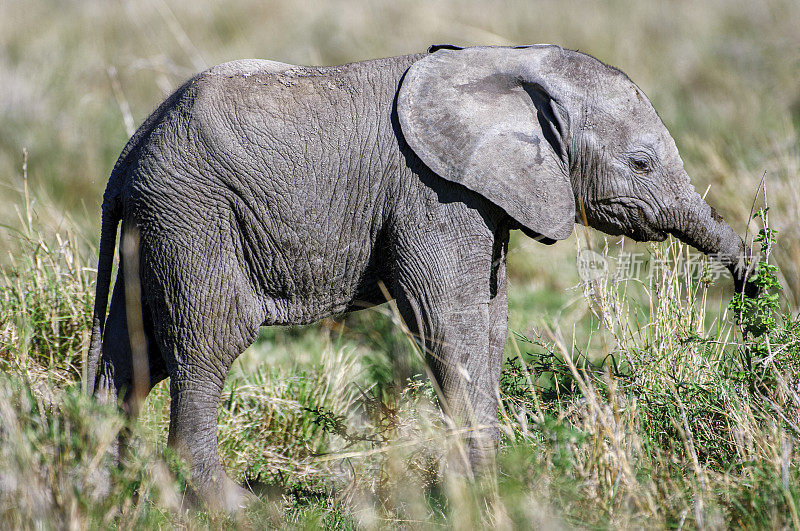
699,225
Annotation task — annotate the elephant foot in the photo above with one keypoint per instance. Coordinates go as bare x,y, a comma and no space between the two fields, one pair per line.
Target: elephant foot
222,495
482,453
474,458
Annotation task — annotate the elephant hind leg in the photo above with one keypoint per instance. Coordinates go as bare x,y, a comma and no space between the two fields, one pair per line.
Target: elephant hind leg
116,363
196,385
207,328
193,434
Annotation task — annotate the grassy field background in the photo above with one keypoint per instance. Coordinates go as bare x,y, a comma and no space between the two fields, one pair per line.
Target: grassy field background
332,424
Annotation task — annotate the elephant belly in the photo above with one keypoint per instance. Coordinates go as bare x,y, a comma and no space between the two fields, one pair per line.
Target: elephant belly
309,265
298,309
302,303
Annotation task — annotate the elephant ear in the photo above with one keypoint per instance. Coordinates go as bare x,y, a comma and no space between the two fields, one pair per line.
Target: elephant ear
487,118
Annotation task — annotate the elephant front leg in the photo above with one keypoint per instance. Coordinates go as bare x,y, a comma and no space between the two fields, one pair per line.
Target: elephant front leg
498,334
449,314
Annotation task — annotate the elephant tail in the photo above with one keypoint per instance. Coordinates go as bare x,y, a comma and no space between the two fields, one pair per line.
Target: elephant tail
108,237
112,214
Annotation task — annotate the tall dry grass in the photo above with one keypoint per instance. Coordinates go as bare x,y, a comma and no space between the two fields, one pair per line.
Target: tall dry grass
671,427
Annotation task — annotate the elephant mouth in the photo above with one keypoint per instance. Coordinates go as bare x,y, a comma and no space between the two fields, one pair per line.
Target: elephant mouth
631,217
647,233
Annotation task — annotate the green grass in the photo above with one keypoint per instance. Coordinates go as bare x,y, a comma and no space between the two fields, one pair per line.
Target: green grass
625,404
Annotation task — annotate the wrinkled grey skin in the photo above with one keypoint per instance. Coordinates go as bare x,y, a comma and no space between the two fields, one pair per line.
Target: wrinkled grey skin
266,193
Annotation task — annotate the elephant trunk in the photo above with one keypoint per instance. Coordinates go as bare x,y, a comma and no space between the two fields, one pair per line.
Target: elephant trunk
696,223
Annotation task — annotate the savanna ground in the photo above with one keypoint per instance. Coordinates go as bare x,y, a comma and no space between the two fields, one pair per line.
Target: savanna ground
625,403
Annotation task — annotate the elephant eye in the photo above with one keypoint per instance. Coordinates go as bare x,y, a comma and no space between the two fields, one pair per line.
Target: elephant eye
640,165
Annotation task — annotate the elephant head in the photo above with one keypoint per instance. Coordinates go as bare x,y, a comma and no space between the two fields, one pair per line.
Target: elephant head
552,137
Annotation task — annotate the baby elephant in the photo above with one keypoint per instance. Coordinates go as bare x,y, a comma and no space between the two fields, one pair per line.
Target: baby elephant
264,193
